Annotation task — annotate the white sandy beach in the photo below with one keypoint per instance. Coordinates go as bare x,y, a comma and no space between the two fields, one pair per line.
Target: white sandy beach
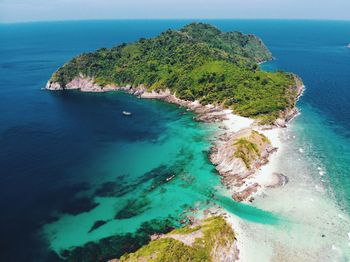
312,228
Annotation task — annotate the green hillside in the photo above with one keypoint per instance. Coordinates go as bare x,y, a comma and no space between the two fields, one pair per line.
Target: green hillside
197,62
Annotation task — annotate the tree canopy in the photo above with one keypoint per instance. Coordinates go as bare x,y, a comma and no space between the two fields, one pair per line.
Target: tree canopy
197,62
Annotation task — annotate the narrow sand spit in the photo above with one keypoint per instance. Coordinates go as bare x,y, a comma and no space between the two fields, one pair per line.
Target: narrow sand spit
312,226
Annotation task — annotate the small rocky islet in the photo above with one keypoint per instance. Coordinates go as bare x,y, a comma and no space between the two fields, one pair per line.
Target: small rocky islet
212,239
213,74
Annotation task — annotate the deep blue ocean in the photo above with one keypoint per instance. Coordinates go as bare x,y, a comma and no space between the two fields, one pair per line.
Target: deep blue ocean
58,149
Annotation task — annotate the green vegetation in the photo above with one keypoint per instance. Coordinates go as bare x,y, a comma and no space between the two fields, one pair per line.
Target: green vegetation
262,137
185,230
248,149
198,62
216,234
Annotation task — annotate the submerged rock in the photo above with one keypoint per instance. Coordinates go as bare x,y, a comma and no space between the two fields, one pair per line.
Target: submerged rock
119,244
97,225
133,207
245,193
278,180
78,205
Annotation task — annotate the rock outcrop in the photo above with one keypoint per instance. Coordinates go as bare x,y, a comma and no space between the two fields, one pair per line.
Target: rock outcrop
245,193
278,180
207,113
212,240
237,157
82,83
290,113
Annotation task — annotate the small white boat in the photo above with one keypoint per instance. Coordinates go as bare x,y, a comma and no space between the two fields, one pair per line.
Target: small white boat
170,178
126,113
348,46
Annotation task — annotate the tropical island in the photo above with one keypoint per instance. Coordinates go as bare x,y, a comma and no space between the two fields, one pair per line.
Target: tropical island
196,63
217,75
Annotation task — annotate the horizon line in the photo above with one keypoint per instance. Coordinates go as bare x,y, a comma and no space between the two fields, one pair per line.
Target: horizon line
172,19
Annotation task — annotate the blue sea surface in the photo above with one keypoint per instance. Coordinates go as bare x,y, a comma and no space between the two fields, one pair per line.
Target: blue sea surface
60,150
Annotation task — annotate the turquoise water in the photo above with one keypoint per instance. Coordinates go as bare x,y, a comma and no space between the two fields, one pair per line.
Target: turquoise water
70,160
136,172
330,146
317,52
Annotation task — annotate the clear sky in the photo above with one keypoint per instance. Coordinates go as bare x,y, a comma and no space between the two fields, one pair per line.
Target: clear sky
39,10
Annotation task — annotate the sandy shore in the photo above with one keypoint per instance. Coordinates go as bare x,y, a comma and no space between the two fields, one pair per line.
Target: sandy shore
312,227
265,177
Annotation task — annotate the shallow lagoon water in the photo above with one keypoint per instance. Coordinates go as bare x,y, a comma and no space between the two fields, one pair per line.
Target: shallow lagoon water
136,173
140,169
60,152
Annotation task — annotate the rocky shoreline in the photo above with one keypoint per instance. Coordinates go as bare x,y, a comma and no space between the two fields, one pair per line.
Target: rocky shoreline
203,113
236,176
